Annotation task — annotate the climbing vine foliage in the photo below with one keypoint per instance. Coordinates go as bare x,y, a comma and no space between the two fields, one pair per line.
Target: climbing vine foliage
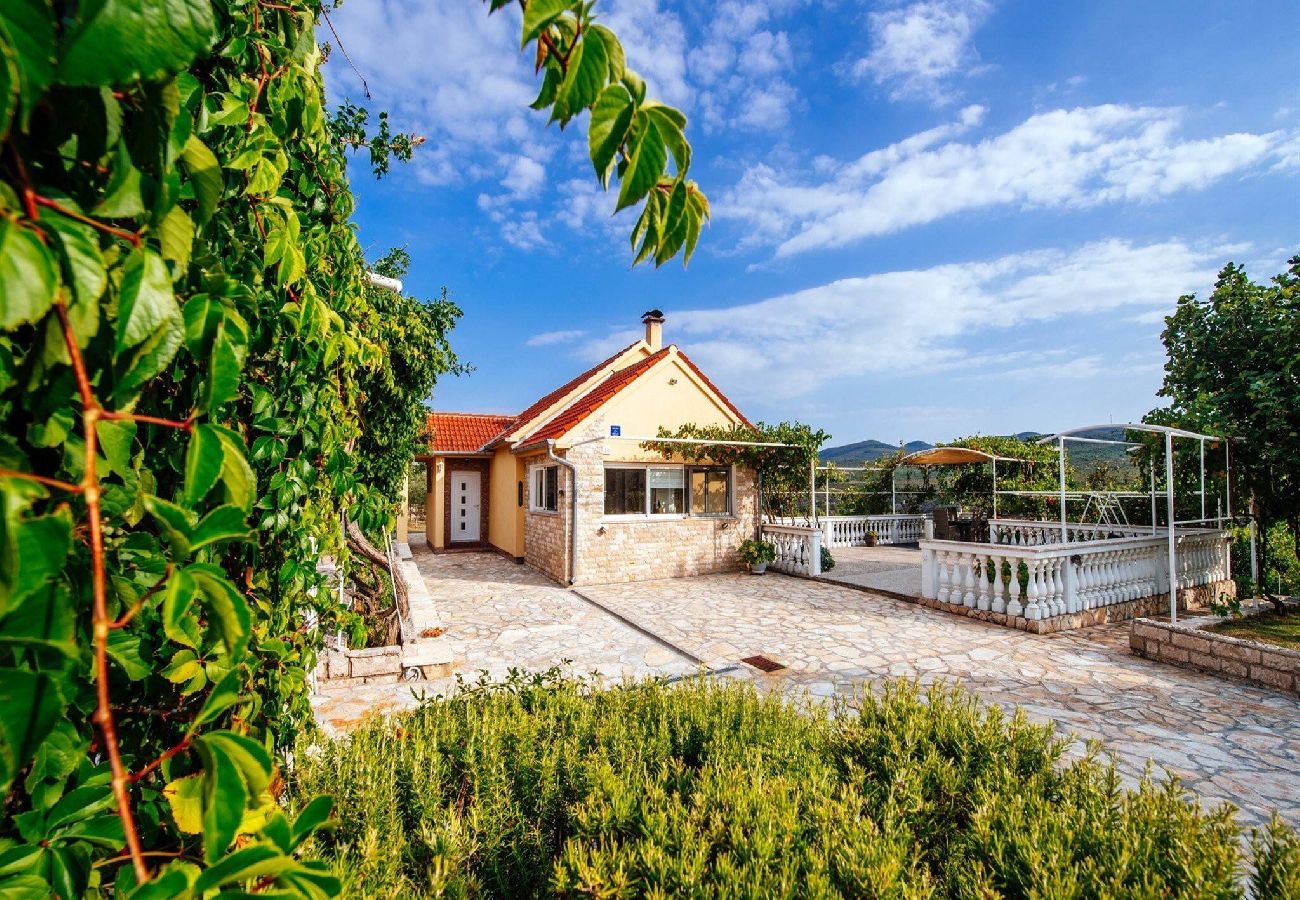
186,341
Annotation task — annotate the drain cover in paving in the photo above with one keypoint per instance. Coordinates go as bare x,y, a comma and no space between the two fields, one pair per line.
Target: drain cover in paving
763,663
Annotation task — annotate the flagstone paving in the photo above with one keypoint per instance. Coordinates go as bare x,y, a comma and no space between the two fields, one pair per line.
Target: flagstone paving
500,615
1227,740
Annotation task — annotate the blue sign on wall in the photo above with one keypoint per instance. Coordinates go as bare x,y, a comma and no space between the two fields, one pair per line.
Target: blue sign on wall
615,430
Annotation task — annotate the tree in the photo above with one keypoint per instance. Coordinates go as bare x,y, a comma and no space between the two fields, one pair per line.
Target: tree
1233,368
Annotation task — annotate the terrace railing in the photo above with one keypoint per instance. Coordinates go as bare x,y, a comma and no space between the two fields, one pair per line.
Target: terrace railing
798,548
851,531
1061,578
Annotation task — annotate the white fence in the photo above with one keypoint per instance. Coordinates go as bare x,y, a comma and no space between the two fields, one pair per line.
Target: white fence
1068,578
798,548
851,531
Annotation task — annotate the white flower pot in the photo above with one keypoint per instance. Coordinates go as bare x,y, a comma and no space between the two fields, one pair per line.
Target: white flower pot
758,568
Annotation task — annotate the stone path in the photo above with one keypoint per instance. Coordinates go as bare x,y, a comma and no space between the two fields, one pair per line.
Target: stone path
894,570
498,615
1227,740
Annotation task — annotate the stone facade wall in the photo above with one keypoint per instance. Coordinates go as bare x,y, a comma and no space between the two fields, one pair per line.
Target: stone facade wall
1189,643
546,534
611,551
1188,598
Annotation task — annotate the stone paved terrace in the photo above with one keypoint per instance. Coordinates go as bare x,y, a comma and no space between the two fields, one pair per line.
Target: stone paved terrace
497,615
889,569
1228,740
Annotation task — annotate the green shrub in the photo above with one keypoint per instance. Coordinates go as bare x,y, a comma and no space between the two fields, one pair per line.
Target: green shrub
706,789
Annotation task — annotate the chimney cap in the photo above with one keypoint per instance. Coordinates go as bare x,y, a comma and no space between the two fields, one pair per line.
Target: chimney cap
652,315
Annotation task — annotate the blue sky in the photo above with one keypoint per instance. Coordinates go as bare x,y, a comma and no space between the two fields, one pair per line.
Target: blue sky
931,218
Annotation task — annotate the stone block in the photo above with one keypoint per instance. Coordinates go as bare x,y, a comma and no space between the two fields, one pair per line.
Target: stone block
376,661
1231,667
1171,653
1273,677
1151,631
1136,643
1280,660
1192,642
1238,652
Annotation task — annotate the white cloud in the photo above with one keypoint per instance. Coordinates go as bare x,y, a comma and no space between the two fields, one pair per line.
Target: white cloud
930,320
549,338
918,48
1062,158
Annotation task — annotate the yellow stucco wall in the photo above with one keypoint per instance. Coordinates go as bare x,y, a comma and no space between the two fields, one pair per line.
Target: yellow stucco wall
433,504
669,396
506,516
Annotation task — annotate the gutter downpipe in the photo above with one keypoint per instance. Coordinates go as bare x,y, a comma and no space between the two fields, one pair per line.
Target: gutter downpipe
573,507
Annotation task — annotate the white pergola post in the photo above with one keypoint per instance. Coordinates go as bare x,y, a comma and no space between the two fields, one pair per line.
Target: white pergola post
1202,481
995,487
1060,456
893,491
1153,493
1169,506
812,490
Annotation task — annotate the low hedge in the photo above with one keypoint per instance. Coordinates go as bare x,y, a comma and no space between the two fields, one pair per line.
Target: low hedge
545,786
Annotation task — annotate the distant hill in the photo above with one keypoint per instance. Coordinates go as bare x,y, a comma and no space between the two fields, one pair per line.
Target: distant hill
866,451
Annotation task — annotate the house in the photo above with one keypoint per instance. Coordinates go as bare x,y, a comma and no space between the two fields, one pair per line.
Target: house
566,487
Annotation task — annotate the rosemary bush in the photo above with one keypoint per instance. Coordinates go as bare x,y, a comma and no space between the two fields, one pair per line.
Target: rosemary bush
701,789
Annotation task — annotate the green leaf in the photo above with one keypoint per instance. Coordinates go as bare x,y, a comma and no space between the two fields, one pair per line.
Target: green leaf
175,522
149,359
203,460
205,177
185,669
42,620
124,648
247,863
173,880
644,166
27,276
224,800
176,236
116,437
185,797
551,79
27,26
236,474
226,606
83,269
42,544
30,705
122,195
10,84
224,694
146,299
57,757
250,757
611,118
121,41
669,123
538,15
313,816
178,597
224,366
225,523
613,50
675,225
588,71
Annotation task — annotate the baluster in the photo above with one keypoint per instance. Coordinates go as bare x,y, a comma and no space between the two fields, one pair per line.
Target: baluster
1033,591
1056,585
968,579
998,603
941,560
982,586
1014,607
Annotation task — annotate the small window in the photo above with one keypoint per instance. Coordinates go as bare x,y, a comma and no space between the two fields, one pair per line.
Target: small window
625,492
546,488
711,492
667,492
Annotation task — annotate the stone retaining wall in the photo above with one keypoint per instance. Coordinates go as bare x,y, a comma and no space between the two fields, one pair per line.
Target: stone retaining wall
1188,598
1189,643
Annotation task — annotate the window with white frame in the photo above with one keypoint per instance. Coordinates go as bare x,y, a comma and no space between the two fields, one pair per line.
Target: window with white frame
545,489
667,490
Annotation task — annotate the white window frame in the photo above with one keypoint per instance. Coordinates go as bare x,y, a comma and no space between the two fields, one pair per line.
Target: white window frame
537,490
647,516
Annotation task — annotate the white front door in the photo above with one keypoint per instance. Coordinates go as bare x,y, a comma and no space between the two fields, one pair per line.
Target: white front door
466,506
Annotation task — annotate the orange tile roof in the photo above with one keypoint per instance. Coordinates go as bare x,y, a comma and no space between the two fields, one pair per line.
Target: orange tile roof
594,399
464,432
543,403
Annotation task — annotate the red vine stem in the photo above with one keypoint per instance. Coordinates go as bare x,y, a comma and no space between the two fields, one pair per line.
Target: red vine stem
130,613
166,755
100,623
187,425
132,236
50,482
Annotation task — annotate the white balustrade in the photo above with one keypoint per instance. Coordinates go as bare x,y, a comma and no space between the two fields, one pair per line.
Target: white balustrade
1067,578
798,548
852,531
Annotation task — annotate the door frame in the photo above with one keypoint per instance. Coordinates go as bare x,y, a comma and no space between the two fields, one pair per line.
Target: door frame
450,467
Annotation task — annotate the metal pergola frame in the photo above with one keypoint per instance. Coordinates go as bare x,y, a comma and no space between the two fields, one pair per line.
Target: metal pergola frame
1074,434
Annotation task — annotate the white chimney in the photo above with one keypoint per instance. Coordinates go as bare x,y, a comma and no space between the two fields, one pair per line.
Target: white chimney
654,328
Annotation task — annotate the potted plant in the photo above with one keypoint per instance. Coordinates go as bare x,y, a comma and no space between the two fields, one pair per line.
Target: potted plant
757,554
872,539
